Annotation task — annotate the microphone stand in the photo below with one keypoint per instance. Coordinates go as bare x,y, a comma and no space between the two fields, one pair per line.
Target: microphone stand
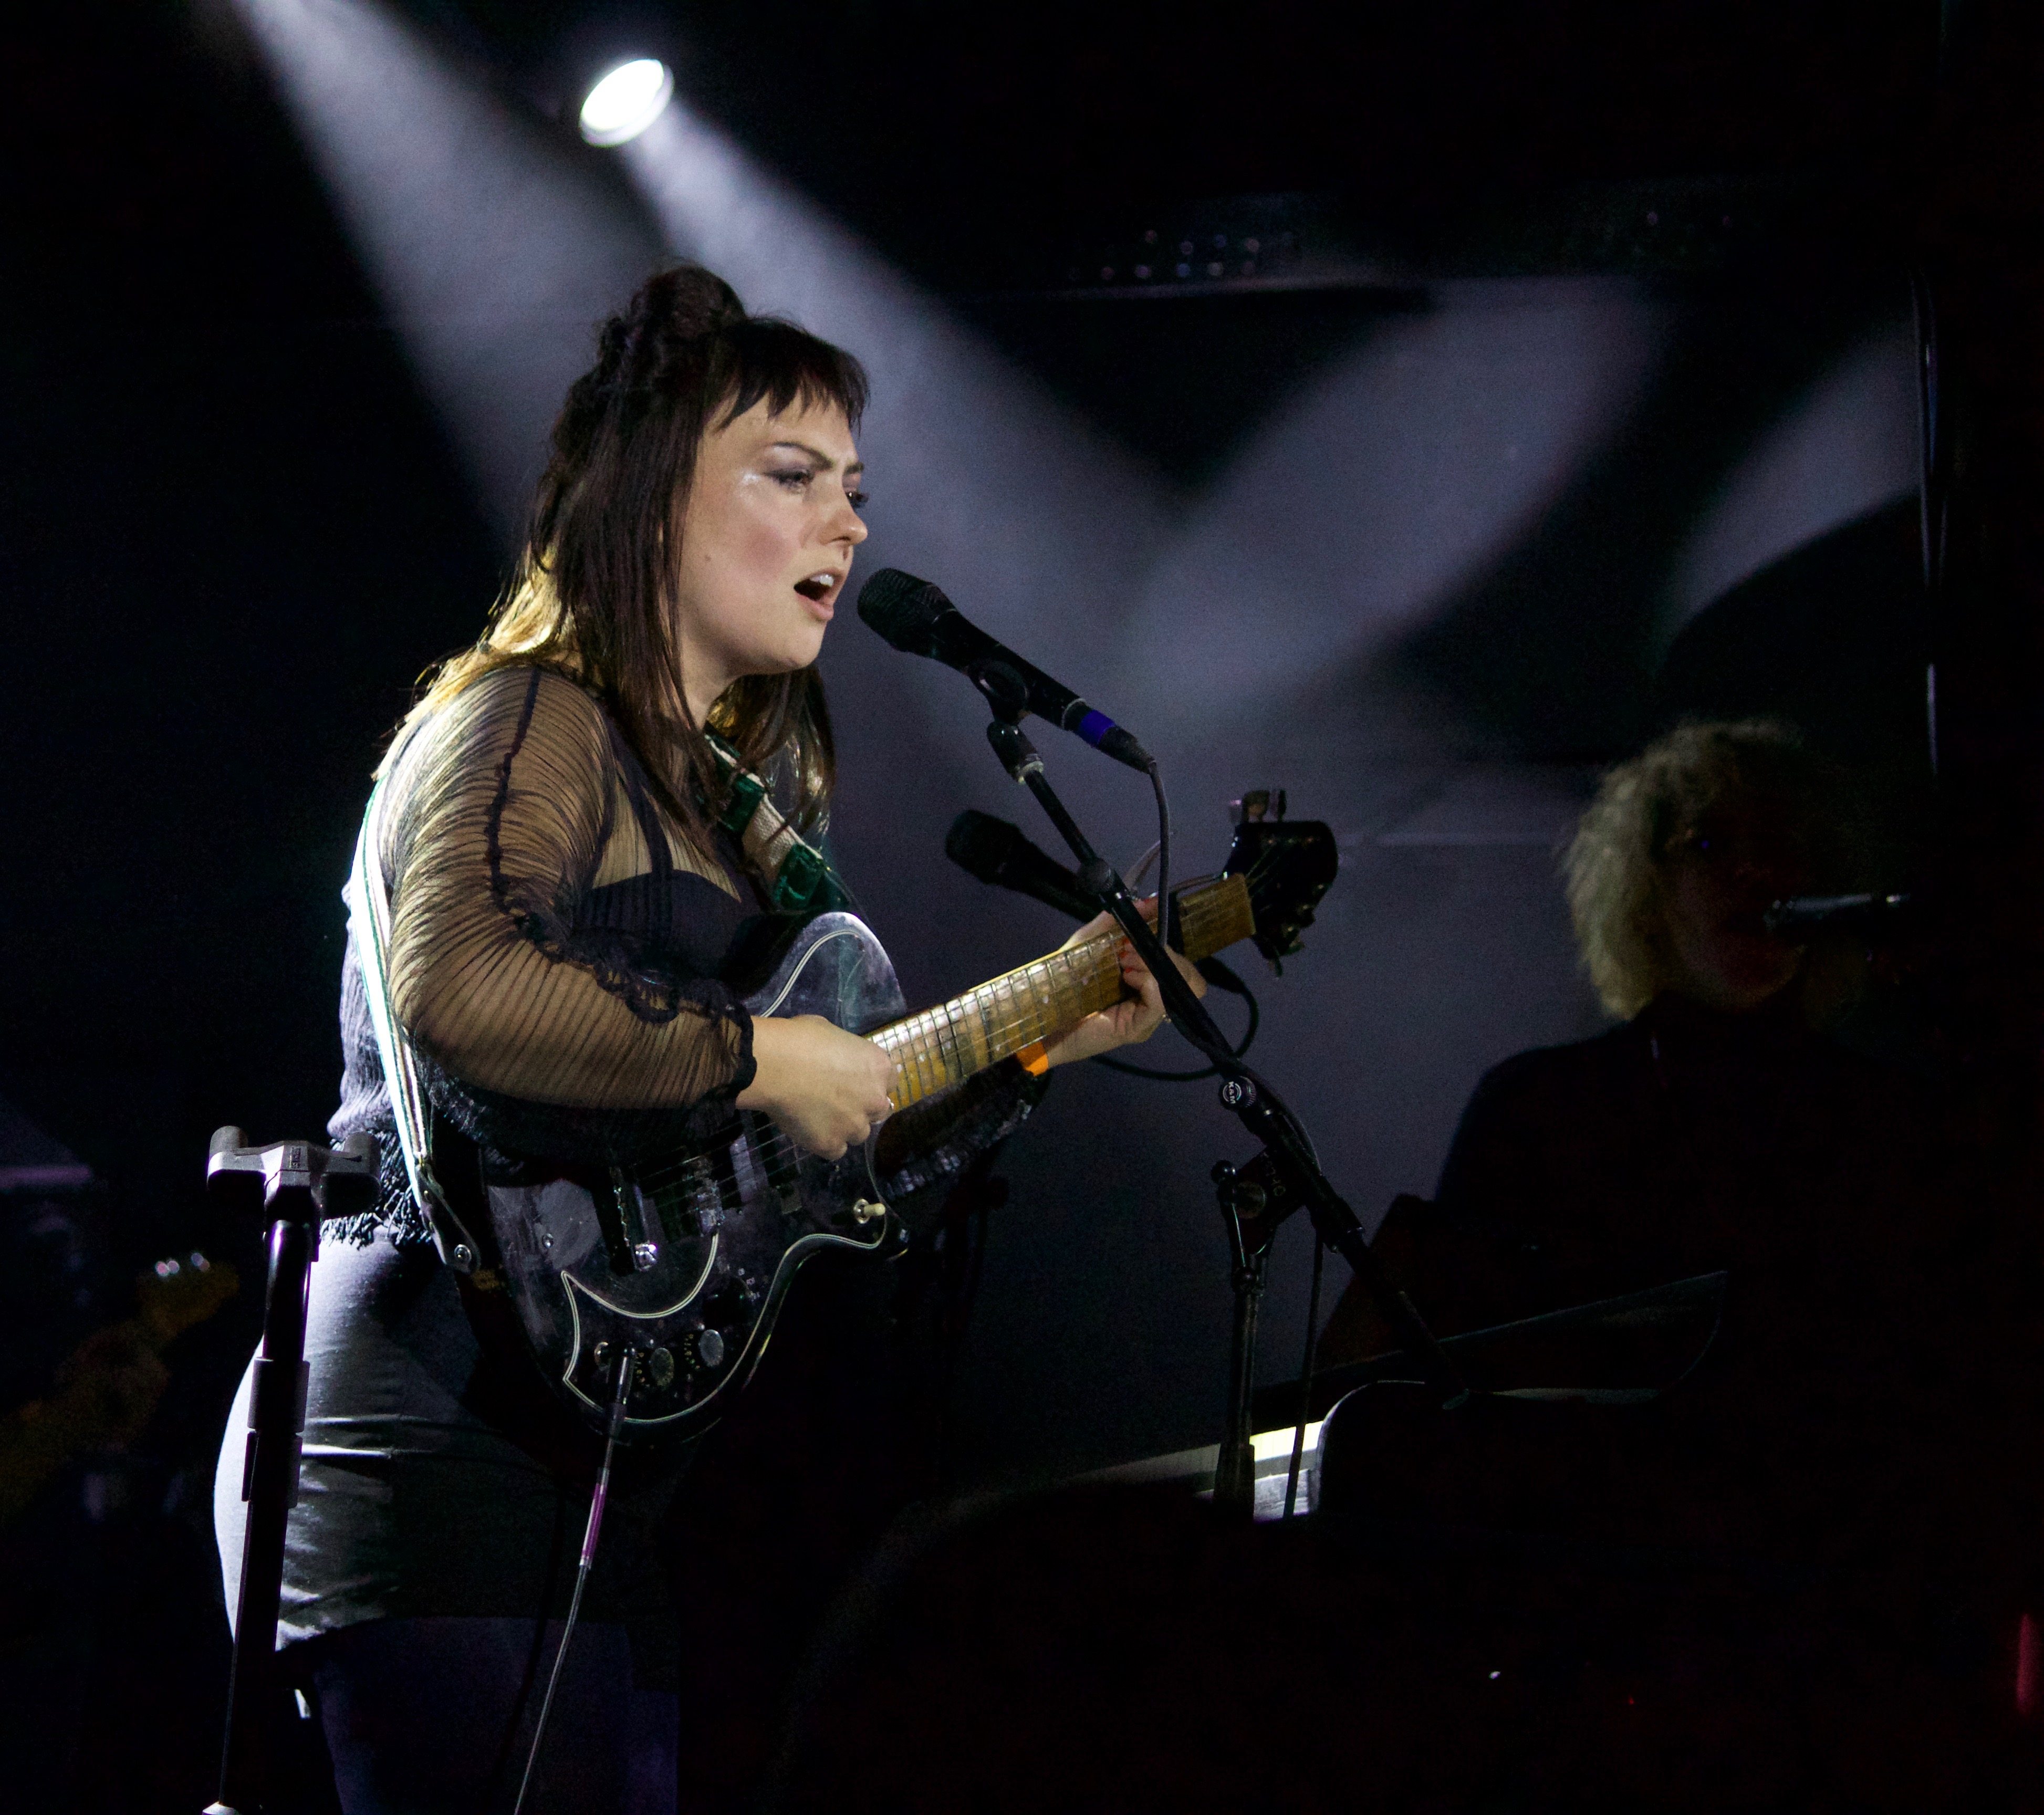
1284,1175
297,1183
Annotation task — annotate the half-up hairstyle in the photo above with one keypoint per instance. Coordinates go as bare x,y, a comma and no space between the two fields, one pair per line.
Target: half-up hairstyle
594,592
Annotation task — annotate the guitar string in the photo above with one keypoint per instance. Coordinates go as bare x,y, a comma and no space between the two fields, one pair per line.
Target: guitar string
922,1036
932,1040
932,1032
776,1151
927,1035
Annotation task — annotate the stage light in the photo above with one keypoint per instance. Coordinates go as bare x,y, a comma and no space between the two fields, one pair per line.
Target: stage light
626,101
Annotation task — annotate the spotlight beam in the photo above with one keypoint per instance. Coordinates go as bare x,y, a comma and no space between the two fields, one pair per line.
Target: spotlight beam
1040,525
492,257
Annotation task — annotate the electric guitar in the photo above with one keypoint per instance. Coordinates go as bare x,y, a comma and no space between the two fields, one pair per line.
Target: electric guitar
107,1391
685,1262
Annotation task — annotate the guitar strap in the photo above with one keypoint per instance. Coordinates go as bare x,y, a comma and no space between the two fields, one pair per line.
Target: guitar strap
369,906
803,881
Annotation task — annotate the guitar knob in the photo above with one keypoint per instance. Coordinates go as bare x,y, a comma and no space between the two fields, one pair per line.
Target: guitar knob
660,1368
706,1348
731,1303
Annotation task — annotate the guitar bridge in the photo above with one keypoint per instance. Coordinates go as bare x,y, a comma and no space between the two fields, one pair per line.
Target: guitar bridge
705,1200
620,1218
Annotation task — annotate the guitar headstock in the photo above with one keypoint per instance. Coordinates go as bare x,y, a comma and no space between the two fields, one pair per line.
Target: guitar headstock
1287,864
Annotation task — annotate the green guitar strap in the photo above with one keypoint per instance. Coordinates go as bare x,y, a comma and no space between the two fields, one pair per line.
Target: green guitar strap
803,882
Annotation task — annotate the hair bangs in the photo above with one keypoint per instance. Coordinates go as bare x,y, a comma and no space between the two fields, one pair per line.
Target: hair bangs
775,362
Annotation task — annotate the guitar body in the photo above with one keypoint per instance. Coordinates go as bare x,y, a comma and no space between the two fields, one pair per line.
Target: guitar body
686,1260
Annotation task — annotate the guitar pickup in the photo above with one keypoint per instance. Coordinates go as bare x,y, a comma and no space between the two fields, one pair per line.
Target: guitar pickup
698,1199
773,1158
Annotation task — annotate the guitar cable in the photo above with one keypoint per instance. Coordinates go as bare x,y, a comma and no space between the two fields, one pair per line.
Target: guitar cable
612,1426
1212,968
1161,851
1163,854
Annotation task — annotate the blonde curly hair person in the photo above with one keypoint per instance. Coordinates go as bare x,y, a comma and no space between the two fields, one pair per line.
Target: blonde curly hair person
1681,851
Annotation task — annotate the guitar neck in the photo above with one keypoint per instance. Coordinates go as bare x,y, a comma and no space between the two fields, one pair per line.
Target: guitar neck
945,1045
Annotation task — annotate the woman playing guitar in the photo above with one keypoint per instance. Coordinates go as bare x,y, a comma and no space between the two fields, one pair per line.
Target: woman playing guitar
575,844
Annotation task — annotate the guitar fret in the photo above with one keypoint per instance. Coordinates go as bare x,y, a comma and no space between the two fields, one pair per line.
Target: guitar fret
918,1076
979,998
1076,985
1067,999
968,1058
908,1062
1001,996
1024,993
1085,984
1072,985
949,1057
931,1070
1043,1005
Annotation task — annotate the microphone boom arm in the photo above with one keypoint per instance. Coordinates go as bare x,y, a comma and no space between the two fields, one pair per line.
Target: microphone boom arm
1261,1113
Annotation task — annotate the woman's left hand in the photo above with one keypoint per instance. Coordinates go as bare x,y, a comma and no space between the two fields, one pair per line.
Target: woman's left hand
1135,1017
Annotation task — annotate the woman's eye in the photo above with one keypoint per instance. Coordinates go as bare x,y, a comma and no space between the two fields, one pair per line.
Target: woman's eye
855,499
794,478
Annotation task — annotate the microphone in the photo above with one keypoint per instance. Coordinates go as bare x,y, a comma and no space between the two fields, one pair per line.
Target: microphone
997,852
918,619
1842,913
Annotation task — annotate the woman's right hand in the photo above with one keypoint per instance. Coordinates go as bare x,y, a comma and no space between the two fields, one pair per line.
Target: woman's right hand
828,1088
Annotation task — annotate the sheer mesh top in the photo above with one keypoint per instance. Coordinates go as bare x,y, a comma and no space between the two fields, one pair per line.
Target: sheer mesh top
552,939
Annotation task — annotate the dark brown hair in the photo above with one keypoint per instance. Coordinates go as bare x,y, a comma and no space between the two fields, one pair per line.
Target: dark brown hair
593,594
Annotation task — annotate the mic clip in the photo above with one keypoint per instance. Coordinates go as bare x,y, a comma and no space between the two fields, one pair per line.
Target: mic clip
1005,690
1008,695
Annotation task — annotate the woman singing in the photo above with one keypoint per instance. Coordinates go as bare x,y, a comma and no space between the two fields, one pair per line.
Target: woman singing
563,899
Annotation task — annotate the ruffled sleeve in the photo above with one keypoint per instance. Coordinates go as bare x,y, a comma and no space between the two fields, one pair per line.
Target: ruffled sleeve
503,805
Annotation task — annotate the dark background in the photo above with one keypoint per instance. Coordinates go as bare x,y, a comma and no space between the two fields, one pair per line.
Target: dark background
237,523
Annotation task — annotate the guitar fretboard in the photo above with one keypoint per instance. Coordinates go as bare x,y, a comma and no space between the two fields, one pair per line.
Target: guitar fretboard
945,1045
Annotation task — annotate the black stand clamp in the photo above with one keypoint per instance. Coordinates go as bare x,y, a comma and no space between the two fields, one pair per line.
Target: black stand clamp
297,1184
1249,1235
1285,1172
